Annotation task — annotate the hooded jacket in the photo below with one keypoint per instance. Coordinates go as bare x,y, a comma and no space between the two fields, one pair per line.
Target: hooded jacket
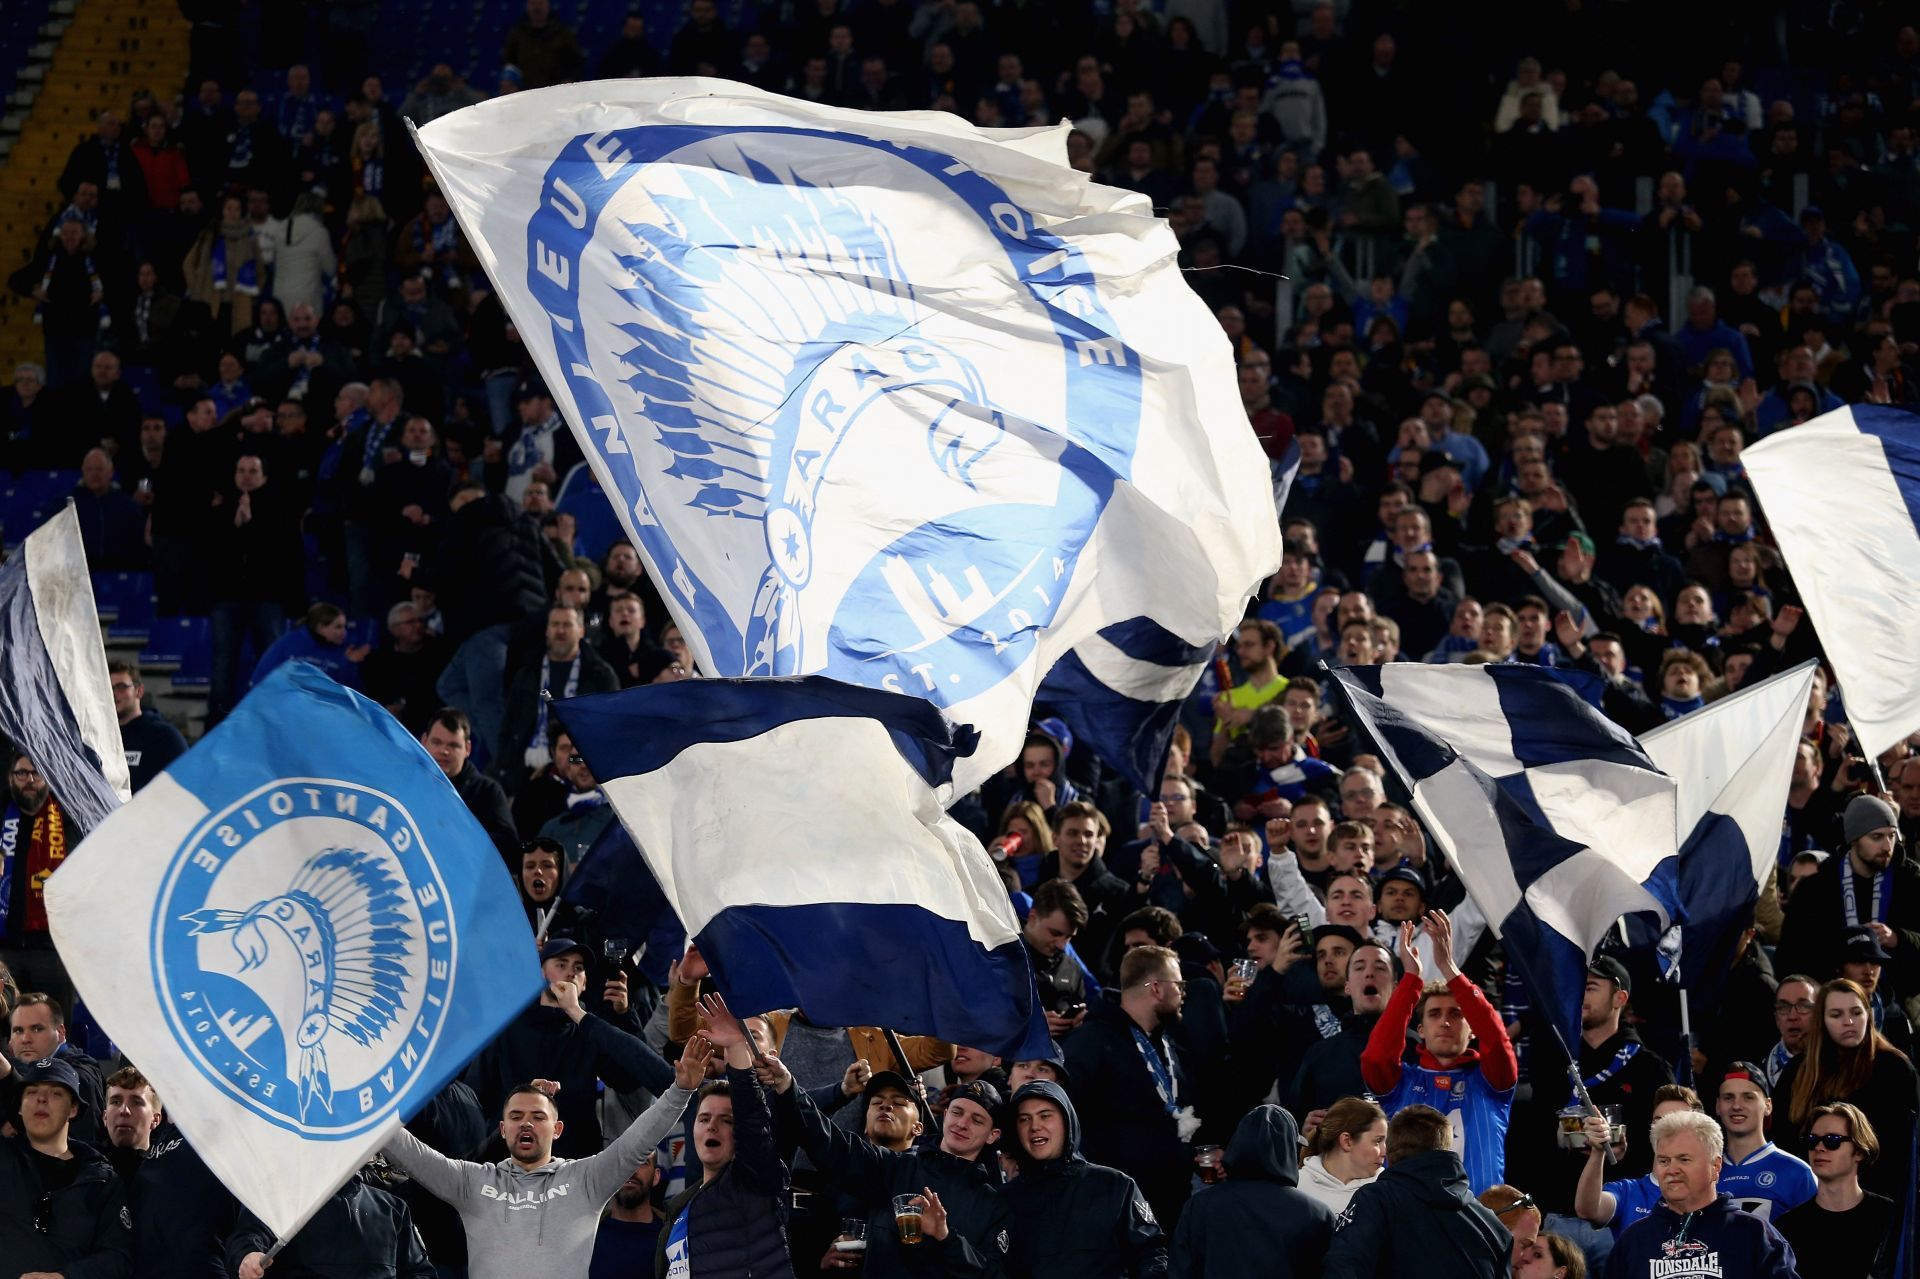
1077,1220
89,1232
361,1232
181,1213
489,569
1419,1217
979,1223
1720,1239
538,1222
1257,1224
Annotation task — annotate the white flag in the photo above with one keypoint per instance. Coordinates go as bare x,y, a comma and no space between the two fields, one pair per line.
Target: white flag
881,397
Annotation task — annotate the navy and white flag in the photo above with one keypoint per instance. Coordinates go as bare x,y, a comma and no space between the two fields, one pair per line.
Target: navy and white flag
56,703
799,829
880,397
1842,496
1733,764
300,934
1121,691
1557,822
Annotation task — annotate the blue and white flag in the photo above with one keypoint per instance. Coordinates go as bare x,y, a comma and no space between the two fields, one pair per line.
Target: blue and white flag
799,828
1732,763
882,397
1842,496
1121,691
299,933
1556,821
56,703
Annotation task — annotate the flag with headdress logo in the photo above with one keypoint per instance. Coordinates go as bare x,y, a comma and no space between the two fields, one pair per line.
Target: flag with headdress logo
299,933
885,398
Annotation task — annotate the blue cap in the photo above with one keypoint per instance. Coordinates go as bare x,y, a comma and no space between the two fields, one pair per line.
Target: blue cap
52,1070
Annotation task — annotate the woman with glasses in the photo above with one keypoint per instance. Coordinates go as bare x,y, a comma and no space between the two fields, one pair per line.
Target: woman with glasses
1847,1227
1847,1060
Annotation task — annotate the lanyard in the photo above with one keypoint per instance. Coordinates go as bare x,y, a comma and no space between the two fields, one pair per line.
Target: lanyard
1628,1051
1882,895
1162,1071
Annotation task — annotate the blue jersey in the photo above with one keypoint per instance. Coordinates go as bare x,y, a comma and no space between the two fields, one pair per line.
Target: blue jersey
1633,1201
1767,1183
1476,1111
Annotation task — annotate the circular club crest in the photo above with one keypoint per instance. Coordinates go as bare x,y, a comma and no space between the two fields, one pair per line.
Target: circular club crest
303,952
826,433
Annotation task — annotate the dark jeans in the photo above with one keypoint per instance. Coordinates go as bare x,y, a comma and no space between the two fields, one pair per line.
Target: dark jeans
233,621
179,583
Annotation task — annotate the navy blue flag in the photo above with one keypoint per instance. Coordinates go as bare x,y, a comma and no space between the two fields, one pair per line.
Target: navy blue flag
1557,822
55,702
799,829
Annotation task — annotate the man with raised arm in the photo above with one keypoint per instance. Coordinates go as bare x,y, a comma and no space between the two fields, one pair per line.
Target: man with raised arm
532,1213
1466,1070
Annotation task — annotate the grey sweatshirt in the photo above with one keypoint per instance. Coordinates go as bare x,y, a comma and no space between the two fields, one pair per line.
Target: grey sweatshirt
543,1221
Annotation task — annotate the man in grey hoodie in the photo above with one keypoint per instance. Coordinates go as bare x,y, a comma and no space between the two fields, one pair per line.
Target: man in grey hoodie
531,1213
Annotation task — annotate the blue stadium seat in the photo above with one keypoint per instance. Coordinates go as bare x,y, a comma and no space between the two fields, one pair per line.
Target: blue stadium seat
125,601
173,638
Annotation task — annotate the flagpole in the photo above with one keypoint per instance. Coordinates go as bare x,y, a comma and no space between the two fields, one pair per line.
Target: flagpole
1683,1069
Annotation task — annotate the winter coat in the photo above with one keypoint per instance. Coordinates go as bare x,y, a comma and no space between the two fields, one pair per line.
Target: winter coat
523,708
487,569
1078,1220
182,1214
488,804
979,1222
1256,1224
1419,1217
261,559
1720,1239
362,1232
737,1223
1128,1125
303,262
151,743
89,1233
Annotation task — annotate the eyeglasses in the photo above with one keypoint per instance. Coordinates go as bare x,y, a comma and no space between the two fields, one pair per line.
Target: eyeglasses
1829,1140
1167,981
1782,1007
24,774
1524,1201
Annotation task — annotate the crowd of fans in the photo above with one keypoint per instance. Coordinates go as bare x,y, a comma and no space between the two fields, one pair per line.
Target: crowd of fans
1521,288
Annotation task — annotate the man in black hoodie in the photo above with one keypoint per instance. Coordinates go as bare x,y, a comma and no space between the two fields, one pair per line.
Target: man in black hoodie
182,1215
962,1174
150,742
62,1210
1073,1219
1419,1216
1256,1224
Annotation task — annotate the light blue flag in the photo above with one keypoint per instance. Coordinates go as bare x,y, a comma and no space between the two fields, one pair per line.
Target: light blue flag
299,933
881,397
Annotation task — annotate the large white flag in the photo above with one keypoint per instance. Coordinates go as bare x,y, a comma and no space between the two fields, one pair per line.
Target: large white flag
1842,496
881,397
